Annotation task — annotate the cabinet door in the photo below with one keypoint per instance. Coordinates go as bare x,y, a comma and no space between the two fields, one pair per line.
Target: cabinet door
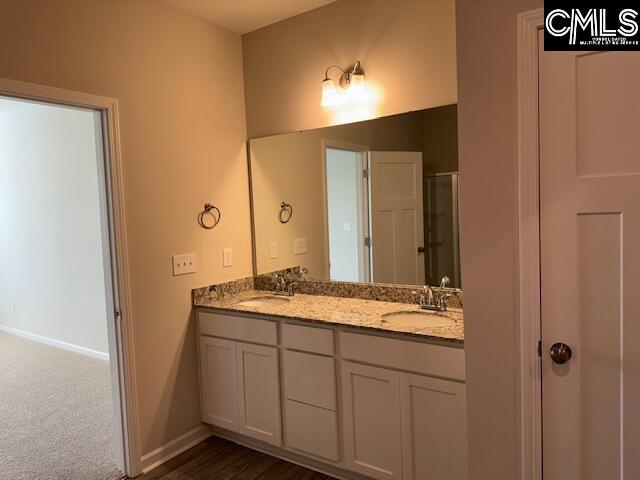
259,391
371,416
434,437
311,429
218,381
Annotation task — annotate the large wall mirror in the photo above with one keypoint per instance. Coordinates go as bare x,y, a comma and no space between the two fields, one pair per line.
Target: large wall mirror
373,201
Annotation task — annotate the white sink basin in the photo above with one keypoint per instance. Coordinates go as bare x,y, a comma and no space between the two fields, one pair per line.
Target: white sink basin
417,319
265,301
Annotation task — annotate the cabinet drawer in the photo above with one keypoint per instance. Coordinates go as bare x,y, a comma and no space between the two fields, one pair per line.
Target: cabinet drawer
238,328
307,339
310,379
428,359
311,429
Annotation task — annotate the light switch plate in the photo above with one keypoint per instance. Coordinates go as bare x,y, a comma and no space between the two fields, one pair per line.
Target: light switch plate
183,264
299,246
227,257
273,250
346,226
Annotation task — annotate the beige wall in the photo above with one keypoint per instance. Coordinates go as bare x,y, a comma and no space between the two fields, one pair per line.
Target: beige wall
179,83
407,49
289,168
440,139
487,129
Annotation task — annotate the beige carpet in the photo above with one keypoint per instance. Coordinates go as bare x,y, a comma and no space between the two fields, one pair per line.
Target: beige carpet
55,414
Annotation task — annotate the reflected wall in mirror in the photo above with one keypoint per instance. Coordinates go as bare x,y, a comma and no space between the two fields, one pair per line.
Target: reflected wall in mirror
373,201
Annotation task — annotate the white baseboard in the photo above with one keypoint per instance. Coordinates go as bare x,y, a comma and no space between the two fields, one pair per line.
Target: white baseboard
55,343
174,448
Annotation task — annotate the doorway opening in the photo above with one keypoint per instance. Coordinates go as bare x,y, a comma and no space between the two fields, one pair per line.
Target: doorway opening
60,348
348,214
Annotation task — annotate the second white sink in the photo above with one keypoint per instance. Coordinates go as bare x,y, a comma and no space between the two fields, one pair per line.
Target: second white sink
418,319
264,301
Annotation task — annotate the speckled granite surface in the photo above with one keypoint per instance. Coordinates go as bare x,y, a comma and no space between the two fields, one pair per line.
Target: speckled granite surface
365,291
350,312
214,292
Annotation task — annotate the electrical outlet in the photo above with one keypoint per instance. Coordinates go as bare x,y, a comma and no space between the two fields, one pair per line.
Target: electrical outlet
273,250
227,257
346,226
299,246
183,264
12,306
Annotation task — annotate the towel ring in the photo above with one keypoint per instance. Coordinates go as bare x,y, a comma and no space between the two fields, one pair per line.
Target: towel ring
209,209
286,212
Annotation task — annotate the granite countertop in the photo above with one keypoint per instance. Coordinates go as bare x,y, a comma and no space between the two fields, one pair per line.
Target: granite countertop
350,312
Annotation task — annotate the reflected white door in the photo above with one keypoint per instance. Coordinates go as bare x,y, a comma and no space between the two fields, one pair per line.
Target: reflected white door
590,263
397,231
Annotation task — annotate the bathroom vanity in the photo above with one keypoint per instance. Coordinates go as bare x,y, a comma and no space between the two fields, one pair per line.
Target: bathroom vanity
348,376
355,388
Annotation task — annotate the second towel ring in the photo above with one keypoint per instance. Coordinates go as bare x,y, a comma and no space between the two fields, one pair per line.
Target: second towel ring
209,209
286,212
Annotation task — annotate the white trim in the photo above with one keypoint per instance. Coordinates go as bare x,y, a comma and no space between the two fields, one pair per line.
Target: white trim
529,24
175,447
120,330
55,343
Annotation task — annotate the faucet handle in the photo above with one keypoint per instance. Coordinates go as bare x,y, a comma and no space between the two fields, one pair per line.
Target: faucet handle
445,281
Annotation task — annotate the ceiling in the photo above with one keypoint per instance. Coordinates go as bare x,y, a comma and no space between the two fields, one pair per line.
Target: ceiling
243,16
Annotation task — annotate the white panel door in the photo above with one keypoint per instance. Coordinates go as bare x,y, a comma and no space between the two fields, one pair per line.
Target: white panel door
371,418
590,263
434,428
397,221
259,392
219,382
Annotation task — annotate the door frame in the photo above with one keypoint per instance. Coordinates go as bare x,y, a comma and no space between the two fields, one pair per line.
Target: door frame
364,213
120,324
529,24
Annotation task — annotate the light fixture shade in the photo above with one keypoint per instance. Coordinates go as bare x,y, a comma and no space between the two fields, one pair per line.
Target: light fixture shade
329,93
357,80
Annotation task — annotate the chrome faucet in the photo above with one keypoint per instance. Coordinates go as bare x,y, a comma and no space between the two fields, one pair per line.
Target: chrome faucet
430,300
286,284
280,284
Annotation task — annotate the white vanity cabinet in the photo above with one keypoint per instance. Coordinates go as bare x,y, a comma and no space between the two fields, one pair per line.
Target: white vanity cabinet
240,382
364,405
421,434
402,425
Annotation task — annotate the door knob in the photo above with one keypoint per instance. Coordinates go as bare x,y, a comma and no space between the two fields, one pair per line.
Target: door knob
420,249
560,353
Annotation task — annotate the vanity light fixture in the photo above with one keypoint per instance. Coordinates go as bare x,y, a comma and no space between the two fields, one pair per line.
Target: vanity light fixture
352,79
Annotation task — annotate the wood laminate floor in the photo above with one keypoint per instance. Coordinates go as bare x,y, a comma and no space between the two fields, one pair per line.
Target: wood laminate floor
219,459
